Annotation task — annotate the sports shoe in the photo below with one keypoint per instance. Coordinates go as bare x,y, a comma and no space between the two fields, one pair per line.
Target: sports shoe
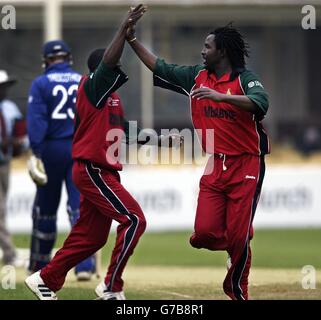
38,287
84,276
103,294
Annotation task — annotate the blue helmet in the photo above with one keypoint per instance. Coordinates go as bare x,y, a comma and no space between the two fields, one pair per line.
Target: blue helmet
55,48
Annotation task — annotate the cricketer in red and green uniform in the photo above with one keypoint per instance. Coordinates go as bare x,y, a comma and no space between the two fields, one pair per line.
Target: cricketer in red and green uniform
98,128
237,131
95,173
229,190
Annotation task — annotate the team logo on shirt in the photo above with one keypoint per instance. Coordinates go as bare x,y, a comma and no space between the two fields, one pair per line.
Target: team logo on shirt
112,102
255,84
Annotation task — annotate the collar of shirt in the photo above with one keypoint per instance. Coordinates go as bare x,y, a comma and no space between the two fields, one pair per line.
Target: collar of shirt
230,76
224,78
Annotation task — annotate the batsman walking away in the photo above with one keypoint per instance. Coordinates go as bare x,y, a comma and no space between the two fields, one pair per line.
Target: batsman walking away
50,124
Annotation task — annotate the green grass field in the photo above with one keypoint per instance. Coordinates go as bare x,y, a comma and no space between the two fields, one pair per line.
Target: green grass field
164,266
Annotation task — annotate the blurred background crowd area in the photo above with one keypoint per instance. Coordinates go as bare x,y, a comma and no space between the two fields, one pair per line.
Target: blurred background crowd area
283,54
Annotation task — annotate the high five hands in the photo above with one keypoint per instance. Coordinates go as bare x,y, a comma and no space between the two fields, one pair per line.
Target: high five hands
134,14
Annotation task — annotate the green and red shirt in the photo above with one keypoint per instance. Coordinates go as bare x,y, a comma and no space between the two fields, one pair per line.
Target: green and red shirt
98,111
236,131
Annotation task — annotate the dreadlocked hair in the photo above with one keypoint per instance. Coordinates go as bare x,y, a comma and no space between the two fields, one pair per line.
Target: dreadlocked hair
232,42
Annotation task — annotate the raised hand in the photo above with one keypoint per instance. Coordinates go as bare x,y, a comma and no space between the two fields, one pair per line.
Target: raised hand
134,14
115,49
131,33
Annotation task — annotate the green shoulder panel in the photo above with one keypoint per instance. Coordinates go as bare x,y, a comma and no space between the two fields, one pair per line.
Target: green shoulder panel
254,90
181,76
102,83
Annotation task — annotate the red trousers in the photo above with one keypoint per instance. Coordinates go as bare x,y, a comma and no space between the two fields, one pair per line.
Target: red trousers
103,198
227,202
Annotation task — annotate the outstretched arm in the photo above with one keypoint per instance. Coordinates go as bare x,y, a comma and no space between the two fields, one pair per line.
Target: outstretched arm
169,76
147,57
135,134
115,49
107,77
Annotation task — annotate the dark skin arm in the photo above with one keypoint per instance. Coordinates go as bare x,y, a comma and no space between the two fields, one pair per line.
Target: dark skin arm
243,102
148,58
115,49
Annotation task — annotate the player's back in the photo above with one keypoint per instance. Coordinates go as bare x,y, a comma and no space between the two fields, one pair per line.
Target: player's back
52,100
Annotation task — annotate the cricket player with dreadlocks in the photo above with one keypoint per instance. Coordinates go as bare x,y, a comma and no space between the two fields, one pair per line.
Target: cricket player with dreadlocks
229,99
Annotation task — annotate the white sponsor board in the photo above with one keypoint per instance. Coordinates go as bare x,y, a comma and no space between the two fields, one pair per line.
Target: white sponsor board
291,197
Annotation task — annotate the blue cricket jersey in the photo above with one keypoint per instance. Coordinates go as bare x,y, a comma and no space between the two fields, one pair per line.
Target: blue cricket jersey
51,106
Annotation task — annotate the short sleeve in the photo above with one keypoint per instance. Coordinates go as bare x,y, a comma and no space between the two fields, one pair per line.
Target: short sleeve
254,90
